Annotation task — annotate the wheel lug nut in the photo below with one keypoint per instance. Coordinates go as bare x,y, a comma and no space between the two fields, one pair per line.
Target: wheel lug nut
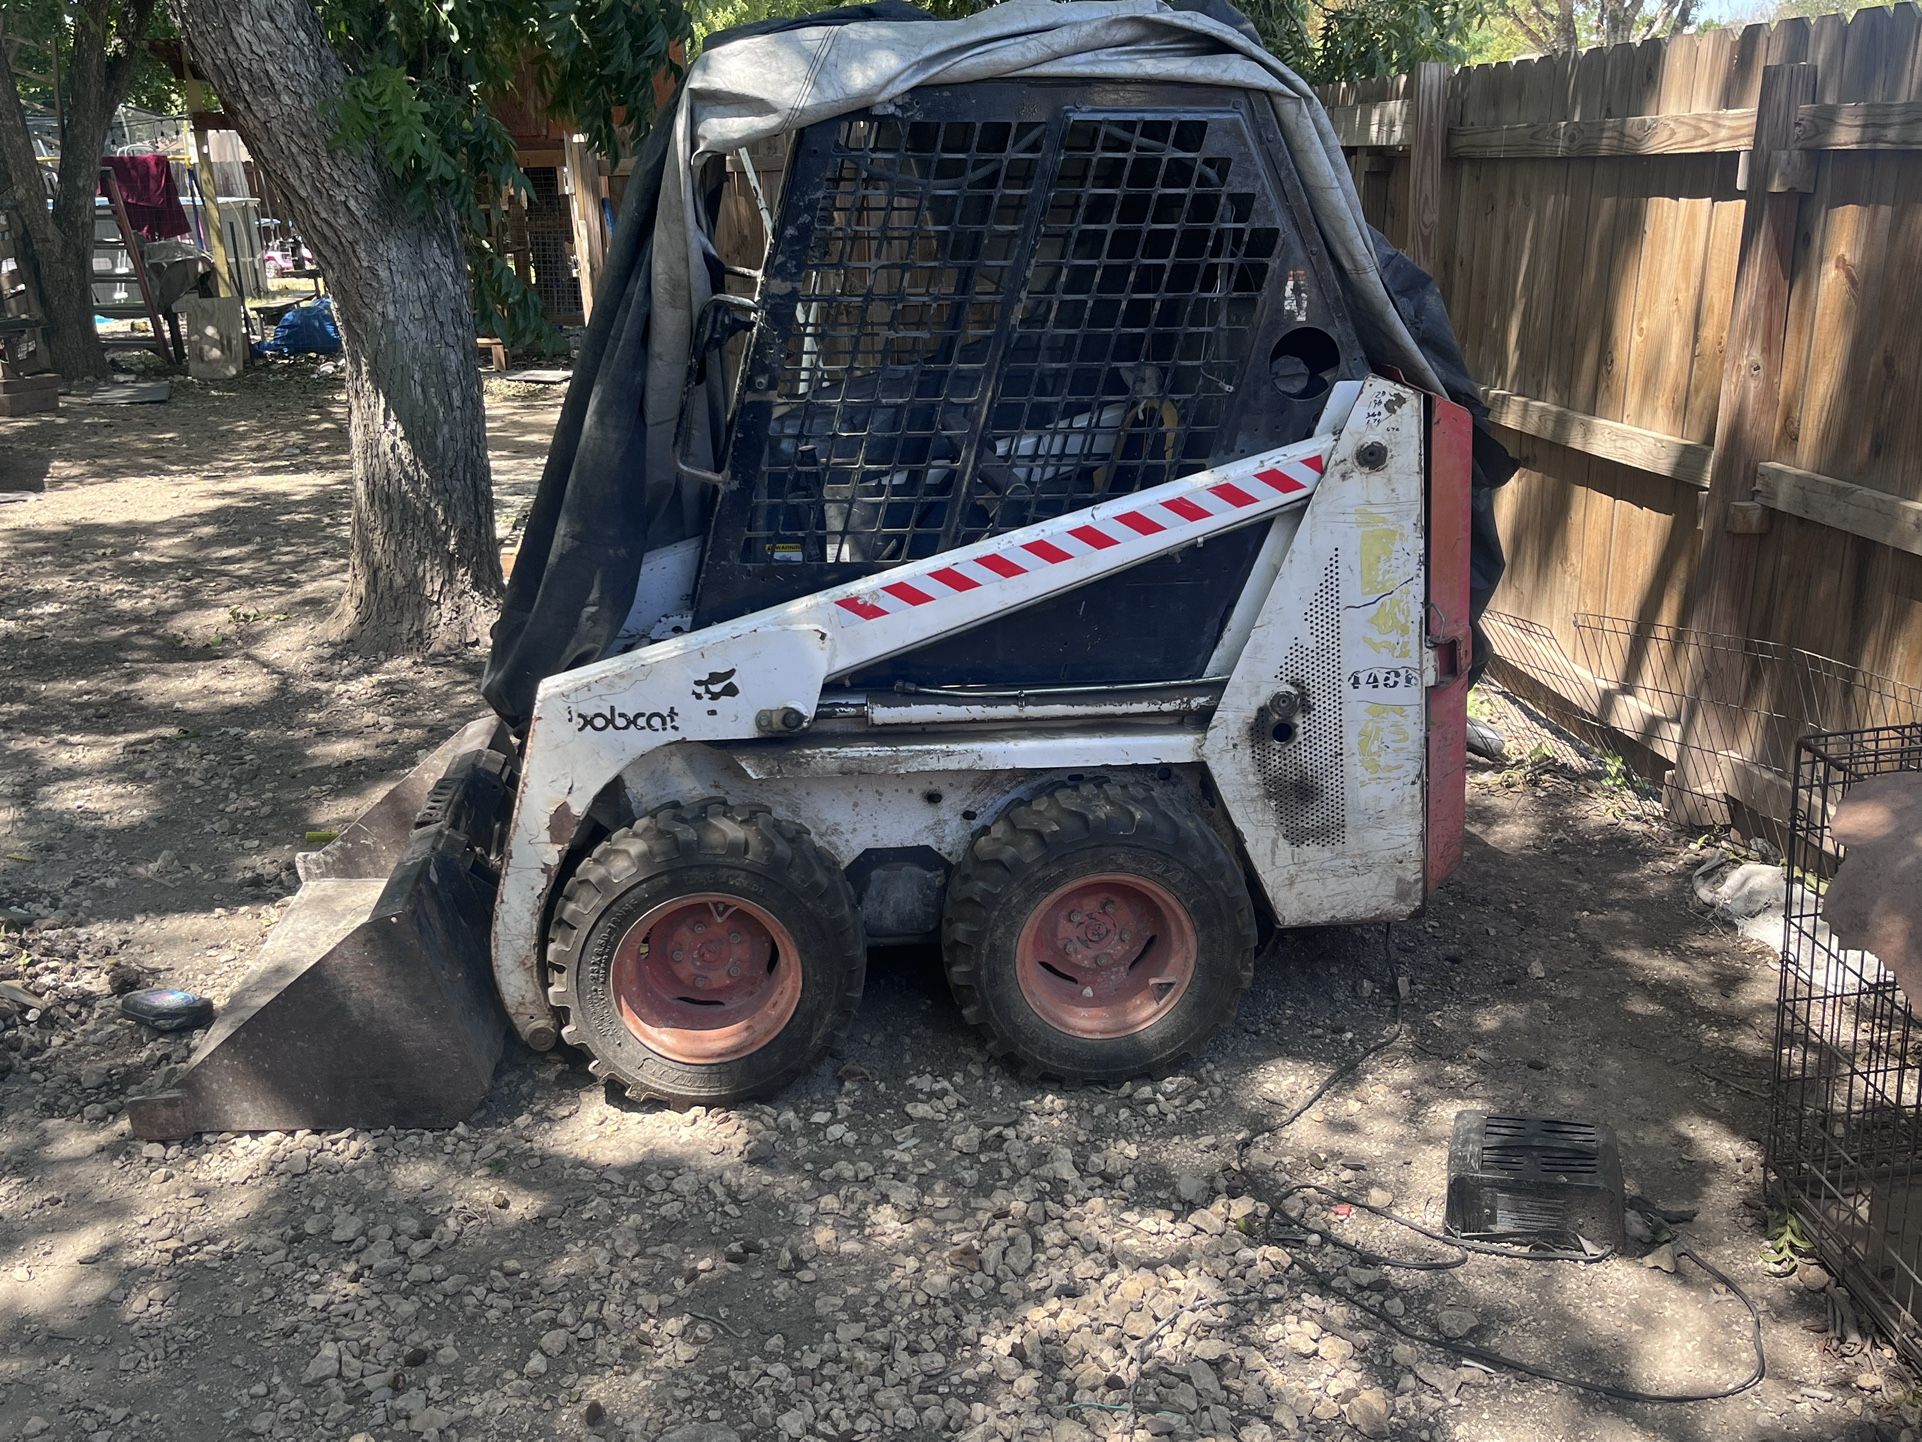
735,937
700,981
678,953
1073,917
699,927
734,971
1108,905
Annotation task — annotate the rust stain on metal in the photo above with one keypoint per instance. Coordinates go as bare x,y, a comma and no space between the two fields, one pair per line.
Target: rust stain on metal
562,823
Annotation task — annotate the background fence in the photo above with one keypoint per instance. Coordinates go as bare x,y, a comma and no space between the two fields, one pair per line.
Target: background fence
1689,277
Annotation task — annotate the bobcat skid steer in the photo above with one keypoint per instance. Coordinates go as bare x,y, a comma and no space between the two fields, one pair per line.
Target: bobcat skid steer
1057,580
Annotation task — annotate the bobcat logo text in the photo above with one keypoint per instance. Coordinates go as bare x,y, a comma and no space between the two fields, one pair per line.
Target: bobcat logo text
609,719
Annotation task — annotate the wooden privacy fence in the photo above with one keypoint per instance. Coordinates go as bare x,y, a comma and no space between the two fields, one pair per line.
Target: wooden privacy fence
1689,277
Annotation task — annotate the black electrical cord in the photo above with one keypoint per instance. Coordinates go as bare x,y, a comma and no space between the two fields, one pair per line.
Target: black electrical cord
1464,1247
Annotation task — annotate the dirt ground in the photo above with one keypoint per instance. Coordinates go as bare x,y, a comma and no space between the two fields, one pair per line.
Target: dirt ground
910,1242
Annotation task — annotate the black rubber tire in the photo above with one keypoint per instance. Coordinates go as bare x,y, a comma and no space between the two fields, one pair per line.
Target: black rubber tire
1084,828
685,849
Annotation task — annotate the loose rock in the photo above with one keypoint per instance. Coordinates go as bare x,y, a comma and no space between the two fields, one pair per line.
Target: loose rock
1369,1413
1456,1322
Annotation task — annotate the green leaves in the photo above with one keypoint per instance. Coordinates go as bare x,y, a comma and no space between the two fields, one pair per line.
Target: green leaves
1364,39
427,75
502,302
383,107
599,61
1787,1244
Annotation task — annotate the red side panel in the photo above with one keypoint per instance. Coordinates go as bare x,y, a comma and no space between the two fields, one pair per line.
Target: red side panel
1450,435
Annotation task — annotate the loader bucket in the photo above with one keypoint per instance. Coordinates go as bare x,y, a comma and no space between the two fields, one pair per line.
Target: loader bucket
372,1003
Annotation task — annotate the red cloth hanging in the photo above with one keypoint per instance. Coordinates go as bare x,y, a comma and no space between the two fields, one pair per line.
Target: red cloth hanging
153,202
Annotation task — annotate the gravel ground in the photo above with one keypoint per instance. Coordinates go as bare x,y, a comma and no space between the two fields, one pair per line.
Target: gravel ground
910,1242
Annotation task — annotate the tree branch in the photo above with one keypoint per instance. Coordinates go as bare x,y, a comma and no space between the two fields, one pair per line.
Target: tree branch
1672,16
129,33
1537,24
1621,19
1529,33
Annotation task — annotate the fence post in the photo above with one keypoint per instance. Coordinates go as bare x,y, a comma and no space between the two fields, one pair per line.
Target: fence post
227,278
1752,362
1723,594
1428,124
583,171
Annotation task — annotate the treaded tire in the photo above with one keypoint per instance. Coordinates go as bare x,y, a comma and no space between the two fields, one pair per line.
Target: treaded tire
689,849
1088,828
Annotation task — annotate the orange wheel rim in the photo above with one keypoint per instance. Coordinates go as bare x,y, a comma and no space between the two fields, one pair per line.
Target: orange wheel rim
1106,956
705,979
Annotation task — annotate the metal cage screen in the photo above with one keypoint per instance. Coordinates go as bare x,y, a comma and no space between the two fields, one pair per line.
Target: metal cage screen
1001,321
1845,1140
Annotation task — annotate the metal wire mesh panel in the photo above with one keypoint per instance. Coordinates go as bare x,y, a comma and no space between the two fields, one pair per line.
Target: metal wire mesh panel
549,240
915,234
1150,265
1720,714
1845,1140
991,304
1530,662
1306,776
998,321
1729,710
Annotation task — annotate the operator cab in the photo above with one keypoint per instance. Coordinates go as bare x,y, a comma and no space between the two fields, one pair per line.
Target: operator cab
967,325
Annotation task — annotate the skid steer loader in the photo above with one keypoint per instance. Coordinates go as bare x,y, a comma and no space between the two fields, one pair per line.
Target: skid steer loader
1065,587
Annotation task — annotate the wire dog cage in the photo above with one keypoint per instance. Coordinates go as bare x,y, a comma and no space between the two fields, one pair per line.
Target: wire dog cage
1845,1138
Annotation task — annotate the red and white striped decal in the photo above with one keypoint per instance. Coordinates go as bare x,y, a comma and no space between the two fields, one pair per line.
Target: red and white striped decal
1011,557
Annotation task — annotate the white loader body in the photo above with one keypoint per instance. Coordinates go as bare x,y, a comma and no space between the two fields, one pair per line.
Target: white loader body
1311,731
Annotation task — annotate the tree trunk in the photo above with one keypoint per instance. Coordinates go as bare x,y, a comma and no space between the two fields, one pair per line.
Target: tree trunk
423,565
56,246
59,279
63,279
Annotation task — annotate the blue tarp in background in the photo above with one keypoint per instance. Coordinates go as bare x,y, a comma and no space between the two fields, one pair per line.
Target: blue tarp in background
308,329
